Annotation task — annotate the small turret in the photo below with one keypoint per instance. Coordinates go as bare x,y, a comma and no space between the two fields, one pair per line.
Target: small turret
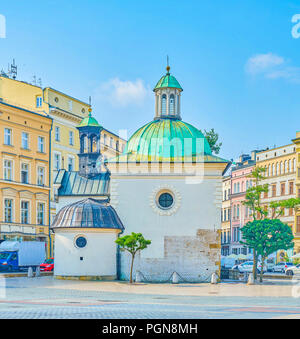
167,97
90,153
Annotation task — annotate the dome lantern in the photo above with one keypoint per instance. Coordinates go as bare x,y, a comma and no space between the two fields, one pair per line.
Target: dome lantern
167,97
89,135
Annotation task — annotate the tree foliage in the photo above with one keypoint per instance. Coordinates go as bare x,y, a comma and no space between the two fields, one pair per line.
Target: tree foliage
133,243
266,237
212,137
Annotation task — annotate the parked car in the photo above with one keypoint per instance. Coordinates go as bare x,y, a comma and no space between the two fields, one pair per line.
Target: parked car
248,267
282,267
47,266
293,270
270,263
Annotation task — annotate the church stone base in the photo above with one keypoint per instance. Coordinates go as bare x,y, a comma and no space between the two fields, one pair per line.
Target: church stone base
87,278
193,258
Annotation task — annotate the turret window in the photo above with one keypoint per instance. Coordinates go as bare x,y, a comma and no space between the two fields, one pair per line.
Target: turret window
172,104
164,105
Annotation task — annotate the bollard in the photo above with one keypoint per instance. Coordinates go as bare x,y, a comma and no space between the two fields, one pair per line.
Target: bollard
38,271
250,279
30,272
214,279
175,278
138,277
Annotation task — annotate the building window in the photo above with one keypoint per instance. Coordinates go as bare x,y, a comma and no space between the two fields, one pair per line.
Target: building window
111,142
40,213
273,190
41,176
105,139
57,161
282,189
39,101
291,188
41,144
71,138
164,105
172,104
70,164
25,212
117,145
8,215
70,105
57,133
7,136
80,242
25,138
298,224
8,170
165,201
24,173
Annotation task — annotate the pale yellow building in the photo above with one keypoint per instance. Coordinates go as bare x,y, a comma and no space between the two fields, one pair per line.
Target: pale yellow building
24,174
280,173
296,142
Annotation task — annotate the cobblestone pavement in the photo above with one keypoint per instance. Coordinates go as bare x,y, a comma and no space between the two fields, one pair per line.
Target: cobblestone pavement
46,298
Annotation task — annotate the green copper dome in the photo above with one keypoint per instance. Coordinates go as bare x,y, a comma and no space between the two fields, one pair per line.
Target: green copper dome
89,121
167,140
168,81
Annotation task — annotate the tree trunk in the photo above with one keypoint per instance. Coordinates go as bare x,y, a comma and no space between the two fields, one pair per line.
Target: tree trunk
131,268
262,269
254,265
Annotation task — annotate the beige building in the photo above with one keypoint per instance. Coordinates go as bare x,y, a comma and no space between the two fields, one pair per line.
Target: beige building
280,166
296,141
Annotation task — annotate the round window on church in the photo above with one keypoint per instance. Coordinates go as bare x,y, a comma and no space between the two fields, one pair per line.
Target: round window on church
80,242
165,200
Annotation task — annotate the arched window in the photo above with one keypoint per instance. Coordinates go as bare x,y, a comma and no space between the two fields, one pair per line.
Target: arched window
290,165
172,104
164,105
281,167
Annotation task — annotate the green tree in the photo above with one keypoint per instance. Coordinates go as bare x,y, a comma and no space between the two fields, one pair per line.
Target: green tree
253,202
266,237
133,244
212,137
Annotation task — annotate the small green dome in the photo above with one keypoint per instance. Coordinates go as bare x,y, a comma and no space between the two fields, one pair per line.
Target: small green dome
167,140
89,121
168,81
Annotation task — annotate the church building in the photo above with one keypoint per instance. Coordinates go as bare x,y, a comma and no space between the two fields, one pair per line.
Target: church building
166,184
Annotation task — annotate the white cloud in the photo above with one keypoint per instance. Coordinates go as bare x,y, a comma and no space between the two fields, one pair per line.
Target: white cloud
272,66
263,62
123,93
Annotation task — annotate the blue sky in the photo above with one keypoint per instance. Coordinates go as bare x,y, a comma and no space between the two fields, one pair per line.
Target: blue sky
237,61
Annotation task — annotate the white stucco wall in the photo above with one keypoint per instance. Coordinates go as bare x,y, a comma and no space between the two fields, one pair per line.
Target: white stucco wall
99,255
198,207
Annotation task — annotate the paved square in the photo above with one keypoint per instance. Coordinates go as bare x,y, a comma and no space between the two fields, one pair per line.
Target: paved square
48,298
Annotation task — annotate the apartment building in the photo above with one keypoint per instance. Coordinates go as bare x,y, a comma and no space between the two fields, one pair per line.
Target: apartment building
24,174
